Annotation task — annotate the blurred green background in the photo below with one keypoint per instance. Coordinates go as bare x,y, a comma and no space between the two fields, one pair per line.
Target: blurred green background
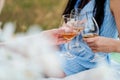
115,56
45,13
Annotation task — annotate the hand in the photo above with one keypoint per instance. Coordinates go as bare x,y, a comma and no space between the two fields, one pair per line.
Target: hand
55,35
101,44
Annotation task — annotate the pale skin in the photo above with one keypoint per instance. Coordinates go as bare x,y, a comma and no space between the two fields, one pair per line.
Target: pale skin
102,44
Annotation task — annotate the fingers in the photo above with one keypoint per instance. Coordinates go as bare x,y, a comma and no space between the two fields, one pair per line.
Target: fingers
62,41
92,43
93,47
94,51
88,40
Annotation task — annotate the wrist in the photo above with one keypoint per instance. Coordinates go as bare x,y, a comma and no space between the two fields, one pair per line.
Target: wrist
116,46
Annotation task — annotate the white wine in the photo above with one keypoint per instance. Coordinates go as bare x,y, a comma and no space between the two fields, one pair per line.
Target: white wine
90,35
68,35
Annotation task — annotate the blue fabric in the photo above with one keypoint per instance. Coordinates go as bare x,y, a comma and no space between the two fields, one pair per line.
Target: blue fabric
83,58
77,3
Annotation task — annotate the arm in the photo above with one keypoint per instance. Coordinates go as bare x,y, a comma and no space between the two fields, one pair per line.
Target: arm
115,8
54,34
102,44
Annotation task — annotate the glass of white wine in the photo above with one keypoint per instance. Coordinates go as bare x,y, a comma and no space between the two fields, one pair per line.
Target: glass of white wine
70,31
91,29
79,25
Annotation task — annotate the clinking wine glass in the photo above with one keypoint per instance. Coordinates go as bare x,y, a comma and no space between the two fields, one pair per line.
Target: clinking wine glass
74,15
91,29
79,25
70,32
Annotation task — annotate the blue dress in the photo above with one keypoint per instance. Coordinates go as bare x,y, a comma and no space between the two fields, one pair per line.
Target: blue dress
83,58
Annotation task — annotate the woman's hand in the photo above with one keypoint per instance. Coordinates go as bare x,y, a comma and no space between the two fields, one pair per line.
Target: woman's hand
54,34
102,44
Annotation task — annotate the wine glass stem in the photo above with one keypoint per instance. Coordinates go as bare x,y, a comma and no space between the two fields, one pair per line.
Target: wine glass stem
68,46
77,41
68,54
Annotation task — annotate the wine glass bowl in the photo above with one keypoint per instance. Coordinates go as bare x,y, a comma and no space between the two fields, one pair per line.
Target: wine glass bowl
69,30
68,35
91,28
73,26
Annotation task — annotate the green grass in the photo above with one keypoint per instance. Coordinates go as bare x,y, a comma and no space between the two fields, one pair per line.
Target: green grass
46,13
115,56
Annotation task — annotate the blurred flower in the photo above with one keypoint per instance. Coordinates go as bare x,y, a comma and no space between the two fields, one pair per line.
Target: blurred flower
26,57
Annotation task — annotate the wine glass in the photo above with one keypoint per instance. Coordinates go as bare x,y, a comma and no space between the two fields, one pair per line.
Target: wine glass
79,25
70,32
91,29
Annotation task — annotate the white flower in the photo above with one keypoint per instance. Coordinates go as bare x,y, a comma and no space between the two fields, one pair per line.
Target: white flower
25,57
